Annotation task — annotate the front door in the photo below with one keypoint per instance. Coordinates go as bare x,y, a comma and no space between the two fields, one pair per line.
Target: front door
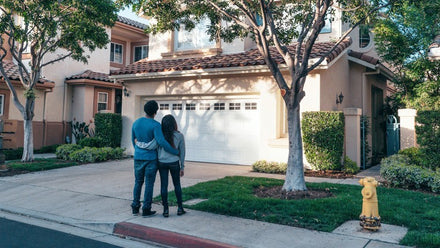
378,125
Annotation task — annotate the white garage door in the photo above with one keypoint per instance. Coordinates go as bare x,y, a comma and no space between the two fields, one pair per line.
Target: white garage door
219,131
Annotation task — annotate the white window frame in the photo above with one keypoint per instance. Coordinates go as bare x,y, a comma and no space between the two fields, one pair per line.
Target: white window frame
2,104
100,102
143,56
112,59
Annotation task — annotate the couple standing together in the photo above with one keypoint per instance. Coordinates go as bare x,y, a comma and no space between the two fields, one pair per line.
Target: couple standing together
156,147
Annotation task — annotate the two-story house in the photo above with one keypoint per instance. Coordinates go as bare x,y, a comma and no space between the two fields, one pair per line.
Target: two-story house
226,102
75,91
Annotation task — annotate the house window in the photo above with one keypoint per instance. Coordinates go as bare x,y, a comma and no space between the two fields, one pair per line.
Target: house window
364,36
234,106
102,101
177,106
197,38
190,106
2,104
219,106
250,106
164,106
205,106
140,52
116,53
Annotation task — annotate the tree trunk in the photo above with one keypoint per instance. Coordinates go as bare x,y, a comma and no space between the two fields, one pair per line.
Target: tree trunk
295,166
28,146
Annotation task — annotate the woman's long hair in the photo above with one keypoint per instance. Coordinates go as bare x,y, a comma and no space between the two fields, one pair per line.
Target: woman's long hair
169,125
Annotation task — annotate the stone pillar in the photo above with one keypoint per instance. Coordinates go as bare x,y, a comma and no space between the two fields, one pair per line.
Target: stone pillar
407,128
353,134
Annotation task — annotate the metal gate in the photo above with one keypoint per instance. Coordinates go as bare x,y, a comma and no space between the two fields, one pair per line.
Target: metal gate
393,135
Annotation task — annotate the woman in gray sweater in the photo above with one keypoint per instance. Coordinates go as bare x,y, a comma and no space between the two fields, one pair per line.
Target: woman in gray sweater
174,164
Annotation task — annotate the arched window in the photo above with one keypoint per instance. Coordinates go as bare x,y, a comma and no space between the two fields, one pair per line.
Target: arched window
364,36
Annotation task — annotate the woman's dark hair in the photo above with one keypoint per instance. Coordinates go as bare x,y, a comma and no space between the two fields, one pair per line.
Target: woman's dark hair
169,125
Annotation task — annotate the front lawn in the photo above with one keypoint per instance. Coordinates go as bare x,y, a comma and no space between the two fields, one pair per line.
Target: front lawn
419,212
19,167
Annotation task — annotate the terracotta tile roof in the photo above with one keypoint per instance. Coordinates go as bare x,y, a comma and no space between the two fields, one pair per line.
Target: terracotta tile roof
364,57
88,74
131,22
248,58
12,72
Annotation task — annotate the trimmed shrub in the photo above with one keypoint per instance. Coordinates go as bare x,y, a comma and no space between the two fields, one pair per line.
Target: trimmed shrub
323,137
47,149
435,184
428,136
13,154
94,154
108,127
269,167
64,151
350,166
91,142
415,156
399,172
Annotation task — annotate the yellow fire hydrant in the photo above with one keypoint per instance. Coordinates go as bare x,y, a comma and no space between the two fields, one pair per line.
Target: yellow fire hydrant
370,218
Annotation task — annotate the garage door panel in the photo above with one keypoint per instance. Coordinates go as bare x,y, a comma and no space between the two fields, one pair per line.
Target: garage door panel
227,132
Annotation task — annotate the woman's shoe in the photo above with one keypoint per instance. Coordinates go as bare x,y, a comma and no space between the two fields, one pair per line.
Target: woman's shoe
180,211
165,213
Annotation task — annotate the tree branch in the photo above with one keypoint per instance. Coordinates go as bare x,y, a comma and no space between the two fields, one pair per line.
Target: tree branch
56,60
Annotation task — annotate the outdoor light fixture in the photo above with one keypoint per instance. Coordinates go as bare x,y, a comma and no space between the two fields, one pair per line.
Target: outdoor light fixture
339,98
126,93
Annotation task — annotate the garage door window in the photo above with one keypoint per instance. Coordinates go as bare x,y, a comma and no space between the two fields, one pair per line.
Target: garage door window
163,106
177,106
219,106
234,106
250,106
190,106
205,106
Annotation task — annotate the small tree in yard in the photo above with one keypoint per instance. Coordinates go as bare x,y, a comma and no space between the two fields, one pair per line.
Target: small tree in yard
269,23
42,27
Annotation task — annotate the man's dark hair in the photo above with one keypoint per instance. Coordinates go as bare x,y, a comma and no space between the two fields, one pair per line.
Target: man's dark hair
151,108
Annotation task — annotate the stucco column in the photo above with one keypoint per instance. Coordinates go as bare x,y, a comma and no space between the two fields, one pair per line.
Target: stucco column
407,128
353,134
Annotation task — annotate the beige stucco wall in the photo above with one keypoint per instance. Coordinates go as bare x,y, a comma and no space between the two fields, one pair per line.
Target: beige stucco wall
82,103
14,113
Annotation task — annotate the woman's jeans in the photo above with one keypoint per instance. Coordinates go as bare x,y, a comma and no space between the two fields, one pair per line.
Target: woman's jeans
174,169
144,169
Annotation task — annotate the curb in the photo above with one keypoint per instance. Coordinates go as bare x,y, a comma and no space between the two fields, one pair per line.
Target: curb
165,237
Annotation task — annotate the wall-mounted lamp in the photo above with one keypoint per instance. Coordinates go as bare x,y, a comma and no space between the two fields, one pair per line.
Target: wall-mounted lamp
339,98
126,93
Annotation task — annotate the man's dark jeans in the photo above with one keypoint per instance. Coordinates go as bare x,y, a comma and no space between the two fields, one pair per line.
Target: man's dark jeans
144,169
174,169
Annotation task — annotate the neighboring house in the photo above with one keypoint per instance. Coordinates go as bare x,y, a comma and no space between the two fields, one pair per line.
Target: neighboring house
226,102
77,91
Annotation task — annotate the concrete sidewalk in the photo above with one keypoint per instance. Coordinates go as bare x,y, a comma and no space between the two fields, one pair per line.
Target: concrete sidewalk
97,197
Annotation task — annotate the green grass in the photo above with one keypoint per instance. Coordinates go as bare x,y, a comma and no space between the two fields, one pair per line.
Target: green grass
40,164
419,212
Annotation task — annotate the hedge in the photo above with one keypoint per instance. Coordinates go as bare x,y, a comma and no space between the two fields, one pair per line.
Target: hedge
428,136
108,127
323,138
269,167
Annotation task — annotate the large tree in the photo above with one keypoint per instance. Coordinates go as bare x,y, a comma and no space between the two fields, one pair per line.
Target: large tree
42,27
269,23
403,40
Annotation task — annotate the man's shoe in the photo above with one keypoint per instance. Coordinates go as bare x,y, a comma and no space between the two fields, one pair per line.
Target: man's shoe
166,212
135,210
147,213
180,211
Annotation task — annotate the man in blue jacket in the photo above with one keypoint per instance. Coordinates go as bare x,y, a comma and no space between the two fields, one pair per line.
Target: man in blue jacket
145,129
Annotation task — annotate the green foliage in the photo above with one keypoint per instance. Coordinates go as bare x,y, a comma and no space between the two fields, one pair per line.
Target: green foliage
269,167
81,130
399,172
366,148
415,156
350,166
428,136
47,149
91,142
12,154
323,137
234,196
94,154
108,127
64,151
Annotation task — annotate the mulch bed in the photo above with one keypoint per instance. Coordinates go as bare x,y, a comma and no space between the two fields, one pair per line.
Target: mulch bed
12,172
327,174
277,193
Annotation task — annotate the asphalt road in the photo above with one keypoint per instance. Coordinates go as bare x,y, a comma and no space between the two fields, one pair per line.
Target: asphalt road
16,234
